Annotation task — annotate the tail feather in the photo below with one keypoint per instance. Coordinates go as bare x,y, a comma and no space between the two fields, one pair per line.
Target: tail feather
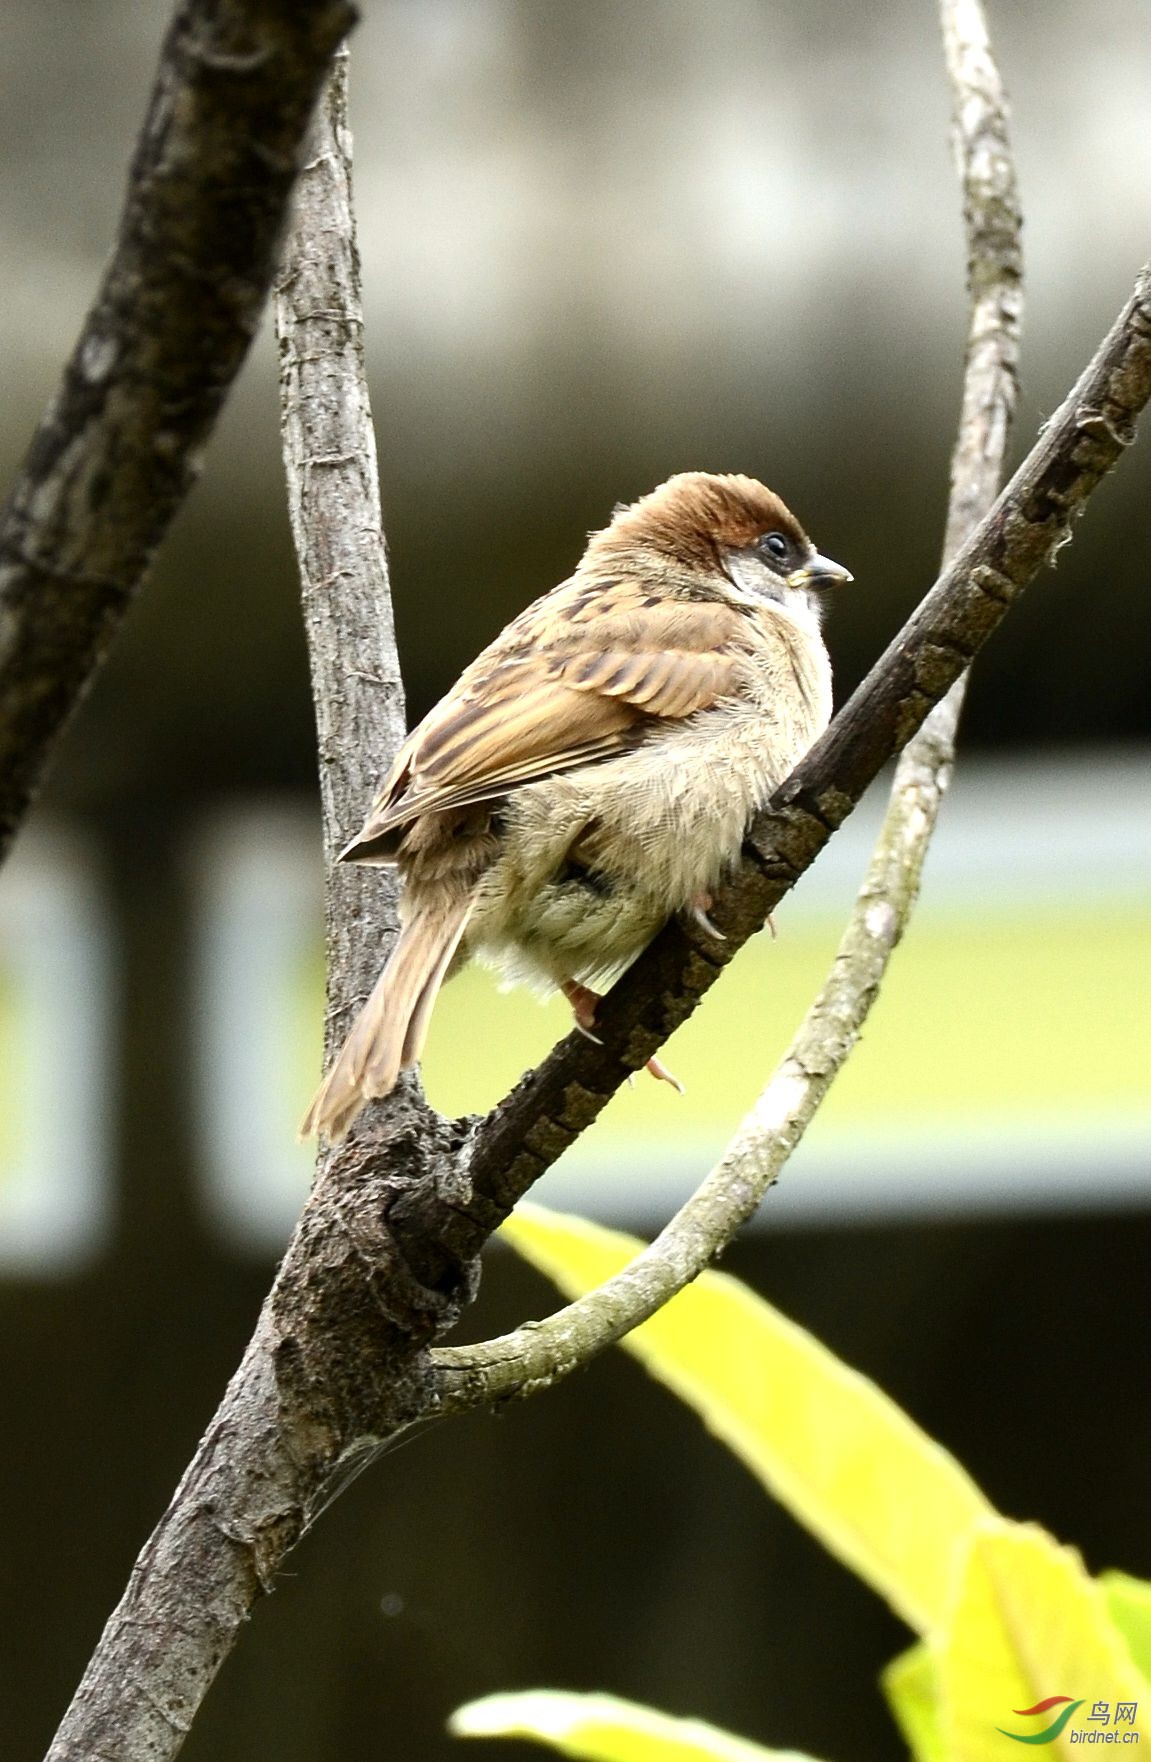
421,1016
388,1034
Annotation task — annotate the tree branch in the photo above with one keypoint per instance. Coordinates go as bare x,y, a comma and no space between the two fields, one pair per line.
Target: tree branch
1031,520
279,1434
120,445
332,478
536,1355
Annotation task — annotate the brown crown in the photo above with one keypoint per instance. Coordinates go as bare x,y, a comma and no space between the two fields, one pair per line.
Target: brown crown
695,513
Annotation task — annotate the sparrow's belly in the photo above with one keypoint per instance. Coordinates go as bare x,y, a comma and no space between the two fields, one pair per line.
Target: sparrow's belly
595,860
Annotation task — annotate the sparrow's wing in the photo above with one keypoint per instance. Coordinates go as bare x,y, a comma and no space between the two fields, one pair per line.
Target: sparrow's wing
582,674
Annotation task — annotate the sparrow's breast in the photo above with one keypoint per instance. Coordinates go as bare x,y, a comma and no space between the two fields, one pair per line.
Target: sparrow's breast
593,861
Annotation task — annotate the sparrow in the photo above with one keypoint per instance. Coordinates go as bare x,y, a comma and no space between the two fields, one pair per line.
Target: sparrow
594,771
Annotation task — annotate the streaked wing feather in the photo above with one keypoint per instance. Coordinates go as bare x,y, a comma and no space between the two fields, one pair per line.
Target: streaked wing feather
543,717
500,783
572,681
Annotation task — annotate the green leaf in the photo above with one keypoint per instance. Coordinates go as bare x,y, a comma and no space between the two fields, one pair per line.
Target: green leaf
1029,1624
600,1728
831,1446
1129,1605
911,1684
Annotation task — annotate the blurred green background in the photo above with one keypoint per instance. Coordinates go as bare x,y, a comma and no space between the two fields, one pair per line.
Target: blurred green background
601,243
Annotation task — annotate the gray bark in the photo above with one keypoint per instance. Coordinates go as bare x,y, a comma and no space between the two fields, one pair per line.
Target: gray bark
334,503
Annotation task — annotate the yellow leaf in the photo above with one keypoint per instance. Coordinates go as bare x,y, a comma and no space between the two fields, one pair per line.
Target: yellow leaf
601,1728
1129,1605
1030,1625
911,1684
829,1444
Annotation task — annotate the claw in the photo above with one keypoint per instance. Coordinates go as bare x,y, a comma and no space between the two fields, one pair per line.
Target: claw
698,916
583,1001
659,1070
697,911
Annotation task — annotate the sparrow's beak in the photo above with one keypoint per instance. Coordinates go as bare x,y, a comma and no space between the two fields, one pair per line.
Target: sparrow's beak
819,572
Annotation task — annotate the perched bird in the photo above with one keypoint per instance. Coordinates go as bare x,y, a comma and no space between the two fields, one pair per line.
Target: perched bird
595,769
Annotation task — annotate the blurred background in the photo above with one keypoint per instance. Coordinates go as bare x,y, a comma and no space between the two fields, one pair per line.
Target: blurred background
601,243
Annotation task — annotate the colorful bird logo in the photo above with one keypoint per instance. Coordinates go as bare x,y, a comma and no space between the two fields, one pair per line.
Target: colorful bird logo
1050,1732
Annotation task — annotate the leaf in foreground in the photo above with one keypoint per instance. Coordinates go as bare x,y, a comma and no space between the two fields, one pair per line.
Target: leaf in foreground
827,1442
911,1684
1029,1624
601,1728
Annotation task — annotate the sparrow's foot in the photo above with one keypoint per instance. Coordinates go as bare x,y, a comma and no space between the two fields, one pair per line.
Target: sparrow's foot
583,1001
697,911
770,922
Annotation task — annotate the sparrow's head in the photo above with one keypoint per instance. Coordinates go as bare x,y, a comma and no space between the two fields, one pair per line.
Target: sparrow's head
729,531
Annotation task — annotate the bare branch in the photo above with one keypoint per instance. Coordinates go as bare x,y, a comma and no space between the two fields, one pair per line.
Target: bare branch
994,266
121,443
533,1357
248,1492
1030,521
334,503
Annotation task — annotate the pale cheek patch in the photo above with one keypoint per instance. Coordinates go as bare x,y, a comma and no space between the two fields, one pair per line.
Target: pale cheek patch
753,581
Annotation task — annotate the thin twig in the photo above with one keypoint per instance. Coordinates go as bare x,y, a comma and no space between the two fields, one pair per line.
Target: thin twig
169,329
532,1357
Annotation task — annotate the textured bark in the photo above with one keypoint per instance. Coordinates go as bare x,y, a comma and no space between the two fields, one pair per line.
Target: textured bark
121,443
334,503
335,1354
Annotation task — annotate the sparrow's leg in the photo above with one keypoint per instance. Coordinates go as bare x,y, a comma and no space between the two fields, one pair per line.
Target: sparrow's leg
583,1001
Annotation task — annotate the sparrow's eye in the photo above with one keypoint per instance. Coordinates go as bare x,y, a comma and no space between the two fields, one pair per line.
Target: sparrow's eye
775,545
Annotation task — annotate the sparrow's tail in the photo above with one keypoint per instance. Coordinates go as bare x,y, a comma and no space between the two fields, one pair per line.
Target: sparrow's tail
388,1034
